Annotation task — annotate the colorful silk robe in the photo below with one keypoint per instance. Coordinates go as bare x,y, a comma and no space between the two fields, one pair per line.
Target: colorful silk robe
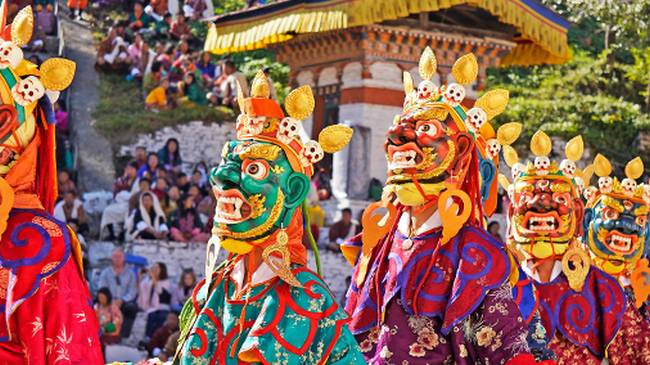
585,327
448,304
273,324
44,299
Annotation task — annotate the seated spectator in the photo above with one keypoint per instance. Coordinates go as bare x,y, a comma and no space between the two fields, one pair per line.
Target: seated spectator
160,189
153,78
77,7
194,9
65,183
183,49
163,27
138,19
140,156
493,228
160,7
37,41
206,206
167,57
202,167
186,223
170,155
180,29
134,50
162,173
71,208
212,99
144,185
170,203
148,220
184,290
229,85
196,193
183,182
156,345
46,19
149,169
207,68
157,98
112,52
115,214
122,283
155,296
126,181
191,90
109,317
197,179
73,224
61,117
342,230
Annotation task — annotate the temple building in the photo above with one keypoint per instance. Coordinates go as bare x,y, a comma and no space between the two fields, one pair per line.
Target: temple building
353,54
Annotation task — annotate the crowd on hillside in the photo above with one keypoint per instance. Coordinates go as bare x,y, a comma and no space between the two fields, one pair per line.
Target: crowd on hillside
156,48
155,198
123,292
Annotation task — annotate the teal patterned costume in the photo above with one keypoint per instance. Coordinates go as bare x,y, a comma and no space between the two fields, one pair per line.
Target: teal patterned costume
282,324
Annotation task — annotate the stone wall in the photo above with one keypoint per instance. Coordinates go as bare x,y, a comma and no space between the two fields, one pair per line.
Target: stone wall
179,256
198,141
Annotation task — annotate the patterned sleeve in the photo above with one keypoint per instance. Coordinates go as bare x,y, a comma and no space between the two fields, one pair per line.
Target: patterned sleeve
632,343
537,341
496,331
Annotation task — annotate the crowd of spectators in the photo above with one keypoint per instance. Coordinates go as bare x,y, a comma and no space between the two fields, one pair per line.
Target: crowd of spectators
156,199
156,48
124,291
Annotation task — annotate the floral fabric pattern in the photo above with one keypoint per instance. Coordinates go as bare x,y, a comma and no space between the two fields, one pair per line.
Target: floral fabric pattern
493,334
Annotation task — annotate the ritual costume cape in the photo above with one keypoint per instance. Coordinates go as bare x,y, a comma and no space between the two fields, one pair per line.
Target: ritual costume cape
276,323
442,304
584,311
438,293
585,327
46,307
263,305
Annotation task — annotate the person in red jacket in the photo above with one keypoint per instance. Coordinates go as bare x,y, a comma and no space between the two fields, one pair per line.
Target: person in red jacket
430,284
47,313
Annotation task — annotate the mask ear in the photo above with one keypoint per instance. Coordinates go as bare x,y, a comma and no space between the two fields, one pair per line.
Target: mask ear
464,149
647,240
297,188
582,219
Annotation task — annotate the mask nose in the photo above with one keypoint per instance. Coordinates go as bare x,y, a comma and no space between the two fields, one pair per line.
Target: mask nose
226,174
401,134
626,225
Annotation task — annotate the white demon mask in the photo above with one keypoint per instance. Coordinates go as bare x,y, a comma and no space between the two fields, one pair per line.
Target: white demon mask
255,125
288,129
454,94
493,148
542,164
605,184
517,169
10,55
476,117
311,153
568,167
426,88
589,192
629,186
28,90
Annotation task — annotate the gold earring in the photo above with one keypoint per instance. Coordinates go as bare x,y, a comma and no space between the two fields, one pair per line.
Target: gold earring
281,267
575,265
